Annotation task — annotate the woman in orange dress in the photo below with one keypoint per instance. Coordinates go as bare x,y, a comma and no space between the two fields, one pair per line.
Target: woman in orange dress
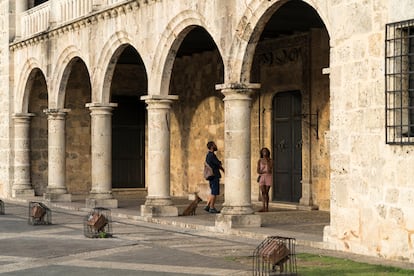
264,169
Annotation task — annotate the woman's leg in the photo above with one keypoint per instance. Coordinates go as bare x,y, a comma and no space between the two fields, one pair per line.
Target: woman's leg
267,188
264,198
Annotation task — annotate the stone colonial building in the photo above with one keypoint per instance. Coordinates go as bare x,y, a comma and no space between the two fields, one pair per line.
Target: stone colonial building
107,97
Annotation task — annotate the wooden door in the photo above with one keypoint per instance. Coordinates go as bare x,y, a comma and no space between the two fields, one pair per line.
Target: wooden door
287,146
128,143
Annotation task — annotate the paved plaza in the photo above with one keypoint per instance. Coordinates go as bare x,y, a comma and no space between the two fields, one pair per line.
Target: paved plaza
137,248
156,246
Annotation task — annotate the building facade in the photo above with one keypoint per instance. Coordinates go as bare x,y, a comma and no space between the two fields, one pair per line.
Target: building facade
108,97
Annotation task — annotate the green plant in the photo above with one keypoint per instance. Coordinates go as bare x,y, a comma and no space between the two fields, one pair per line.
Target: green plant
312,265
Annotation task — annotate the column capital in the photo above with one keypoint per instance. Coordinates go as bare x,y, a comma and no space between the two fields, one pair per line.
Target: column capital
237,91
17,116
56,112
240,86
159,98
101,105
101,108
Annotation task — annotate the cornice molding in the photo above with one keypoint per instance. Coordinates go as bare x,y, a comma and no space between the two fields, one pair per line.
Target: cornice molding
80,23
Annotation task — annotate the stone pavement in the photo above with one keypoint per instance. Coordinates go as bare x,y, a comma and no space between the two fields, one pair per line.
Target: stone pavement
150,246
137,248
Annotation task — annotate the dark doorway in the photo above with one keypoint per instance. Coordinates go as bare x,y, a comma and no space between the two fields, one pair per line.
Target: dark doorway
287,146
38,2
128,143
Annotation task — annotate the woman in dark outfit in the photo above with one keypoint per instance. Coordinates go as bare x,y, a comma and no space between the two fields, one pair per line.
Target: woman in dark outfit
215,164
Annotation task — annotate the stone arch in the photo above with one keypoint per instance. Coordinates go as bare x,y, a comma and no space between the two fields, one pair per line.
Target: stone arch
24,84
60,79
103,72
248,33
171,39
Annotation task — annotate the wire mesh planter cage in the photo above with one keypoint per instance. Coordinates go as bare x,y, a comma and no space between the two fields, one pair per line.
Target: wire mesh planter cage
39,214
275,256
1,207
98,224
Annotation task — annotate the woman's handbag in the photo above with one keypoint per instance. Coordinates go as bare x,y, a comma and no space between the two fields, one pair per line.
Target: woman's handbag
208,171
258,178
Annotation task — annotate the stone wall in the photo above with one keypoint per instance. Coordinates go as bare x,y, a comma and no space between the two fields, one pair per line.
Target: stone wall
38,101
5,90
319,123
196,118
78,131
372,191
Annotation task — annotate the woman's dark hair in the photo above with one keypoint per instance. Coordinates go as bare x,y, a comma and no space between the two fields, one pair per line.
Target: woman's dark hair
261,152
210,144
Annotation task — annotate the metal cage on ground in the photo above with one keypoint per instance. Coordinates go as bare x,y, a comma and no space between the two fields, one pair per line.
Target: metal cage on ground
98,224
275,256
39,214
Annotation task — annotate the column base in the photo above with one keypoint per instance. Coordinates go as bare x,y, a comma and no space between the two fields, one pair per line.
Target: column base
57,197
159,211
306,198
226,222
158,201
110,203
236,210
23,193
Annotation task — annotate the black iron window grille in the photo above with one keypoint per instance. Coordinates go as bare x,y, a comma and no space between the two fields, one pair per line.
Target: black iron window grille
399,83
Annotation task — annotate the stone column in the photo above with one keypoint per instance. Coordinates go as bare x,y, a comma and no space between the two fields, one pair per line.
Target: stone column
101,155
158,202
20,6
22,184
54,16
56,186
307,126
96,5
237,209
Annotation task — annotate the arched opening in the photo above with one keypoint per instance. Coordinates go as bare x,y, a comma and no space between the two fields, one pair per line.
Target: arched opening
198,116
38,101
78,128
128,84
291,52
34,3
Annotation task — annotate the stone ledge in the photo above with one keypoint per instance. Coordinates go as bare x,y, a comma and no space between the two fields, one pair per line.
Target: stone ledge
105,203
57,197
227,222
159,211
23,193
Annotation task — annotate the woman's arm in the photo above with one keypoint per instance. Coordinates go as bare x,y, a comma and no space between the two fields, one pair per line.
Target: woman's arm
270,166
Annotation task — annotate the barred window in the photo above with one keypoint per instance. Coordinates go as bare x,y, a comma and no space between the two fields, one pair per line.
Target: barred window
399,82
